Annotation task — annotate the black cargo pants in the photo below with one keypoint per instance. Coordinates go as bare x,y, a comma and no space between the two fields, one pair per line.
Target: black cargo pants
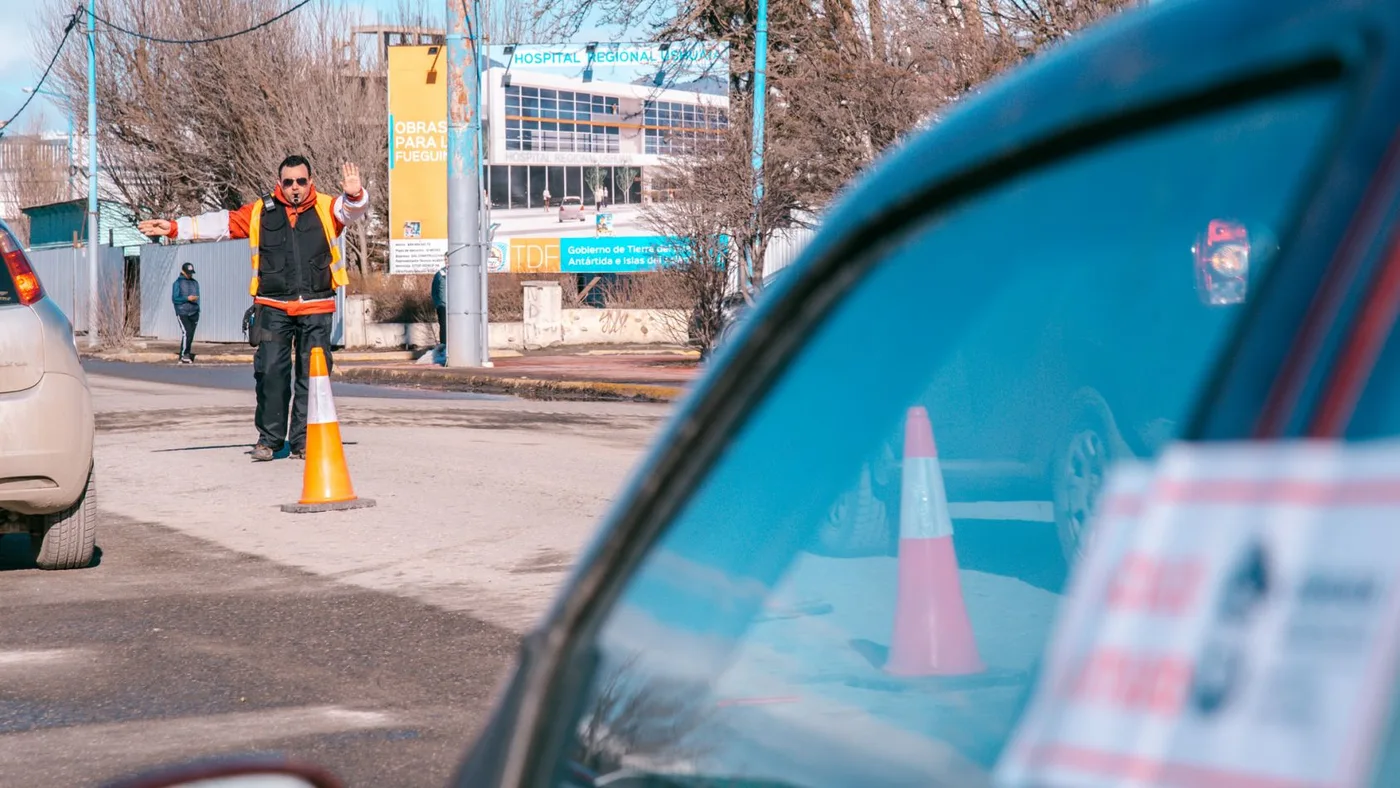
279,335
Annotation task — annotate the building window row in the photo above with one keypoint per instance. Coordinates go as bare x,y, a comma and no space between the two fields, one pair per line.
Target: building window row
538,135
662,142
523,186
675,115
559,104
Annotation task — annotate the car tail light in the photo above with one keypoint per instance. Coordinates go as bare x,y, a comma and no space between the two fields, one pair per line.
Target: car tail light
27,284
1230,259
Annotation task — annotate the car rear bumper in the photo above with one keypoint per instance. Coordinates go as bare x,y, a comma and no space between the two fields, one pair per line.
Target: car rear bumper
47,449
985,480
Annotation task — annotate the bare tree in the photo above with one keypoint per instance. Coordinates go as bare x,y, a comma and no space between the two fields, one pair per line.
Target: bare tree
512,22
193,127
33,171
595,178
847,79
700,221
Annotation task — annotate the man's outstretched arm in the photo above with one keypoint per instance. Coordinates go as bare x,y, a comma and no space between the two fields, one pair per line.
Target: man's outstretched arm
212,226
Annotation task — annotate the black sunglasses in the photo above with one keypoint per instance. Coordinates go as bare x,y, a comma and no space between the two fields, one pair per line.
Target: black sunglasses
287,182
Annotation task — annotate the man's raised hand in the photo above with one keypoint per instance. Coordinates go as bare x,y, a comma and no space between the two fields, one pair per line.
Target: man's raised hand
350,181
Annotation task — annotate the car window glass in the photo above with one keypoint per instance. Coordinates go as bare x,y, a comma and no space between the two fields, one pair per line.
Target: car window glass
814,615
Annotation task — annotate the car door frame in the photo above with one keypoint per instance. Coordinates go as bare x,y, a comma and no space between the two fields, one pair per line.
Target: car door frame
509,750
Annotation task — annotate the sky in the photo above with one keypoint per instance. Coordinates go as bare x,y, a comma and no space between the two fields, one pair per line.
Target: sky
21,63
17,67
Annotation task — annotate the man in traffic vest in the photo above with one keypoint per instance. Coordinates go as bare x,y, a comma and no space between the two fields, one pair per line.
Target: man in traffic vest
296,270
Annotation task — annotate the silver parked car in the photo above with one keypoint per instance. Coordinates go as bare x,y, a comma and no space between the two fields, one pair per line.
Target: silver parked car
571,208
46,471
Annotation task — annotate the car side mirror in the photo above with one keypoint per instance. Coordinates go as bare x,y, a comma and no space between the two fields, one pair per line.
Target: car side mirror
234,773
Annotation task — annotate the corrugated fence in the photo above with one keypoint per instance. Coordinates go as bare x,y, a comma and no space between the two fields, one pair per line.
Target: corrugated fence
784,247
223,269
64,275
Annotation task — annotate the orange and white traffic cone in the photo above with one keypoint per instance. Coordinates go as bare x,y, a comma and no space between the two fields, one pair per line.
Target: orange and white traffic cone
325,484
932,634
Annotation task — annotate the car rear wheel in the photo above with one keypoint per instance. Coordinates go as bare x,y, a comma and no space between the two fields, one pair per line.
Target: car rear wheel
66,540
1081,465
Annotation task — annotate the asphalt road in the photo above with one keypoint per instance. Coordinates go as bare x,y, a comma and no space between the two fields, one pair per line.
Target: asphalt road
369,641
173,648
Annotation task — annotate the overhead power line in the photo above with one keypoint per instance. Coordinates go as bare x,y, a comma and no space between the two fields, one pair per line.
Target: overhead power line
191,41
72,21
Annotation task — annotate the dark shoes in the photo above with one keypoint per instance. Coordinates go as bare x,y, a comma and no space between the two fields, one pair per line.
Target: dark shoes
262,453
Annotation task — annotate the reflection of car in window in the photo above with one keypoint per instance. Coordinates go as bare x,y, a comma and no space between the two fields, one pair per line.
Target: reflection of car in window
1036,370
1222,263
1075,412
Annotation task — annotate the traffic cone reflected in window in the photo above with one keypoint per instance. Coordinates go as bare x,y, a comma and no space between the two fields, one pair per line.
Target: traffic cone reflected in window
932,633
326,482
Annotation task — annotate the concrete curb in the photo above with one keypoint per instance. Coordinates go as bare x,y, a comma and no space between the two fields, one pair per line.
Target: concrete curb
529,388
162,357
149,357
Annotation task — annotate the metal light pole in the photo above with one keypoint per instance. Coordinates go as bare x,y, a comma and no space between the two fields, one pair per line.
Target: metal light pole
92,231
465,315
72,153
760,95
483,64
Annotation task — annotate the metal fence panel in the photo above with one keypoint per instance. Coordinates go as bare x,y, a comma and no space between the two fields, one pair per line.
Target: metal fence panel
64,274
223,269
784,247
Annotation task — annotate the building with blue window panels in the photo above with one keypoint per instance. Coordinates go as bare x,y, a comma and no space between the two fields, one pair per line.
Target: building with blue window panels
555,132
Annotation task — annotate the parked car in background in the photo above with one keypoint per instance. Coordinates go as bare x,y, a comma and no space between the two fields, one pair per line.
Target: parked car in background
47,487
1222,263
736,308
571,208
1021,277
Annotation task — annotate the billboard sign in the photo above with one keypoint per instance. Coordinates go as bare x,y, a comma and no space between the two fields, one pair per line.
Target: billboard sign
574,134
417,159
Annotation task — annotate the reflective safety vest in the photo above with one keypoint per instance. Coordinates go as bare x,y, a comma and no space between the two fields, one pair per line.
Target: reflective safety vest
324,211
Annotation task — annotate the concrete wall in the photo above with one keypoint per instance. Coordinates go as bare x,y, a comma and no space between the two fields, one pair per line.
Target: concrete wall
545,325
579,327
361,332
544,314
382,336
623,326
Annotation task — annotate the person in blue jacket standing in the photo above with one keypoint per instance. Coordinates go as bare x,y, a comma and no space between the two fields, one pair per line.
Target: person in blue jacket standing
440,304
185,295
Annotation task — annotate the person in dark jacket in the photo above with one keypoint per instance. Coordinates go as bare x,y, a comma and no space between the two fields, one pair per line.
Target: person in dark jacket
440,303
185,295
